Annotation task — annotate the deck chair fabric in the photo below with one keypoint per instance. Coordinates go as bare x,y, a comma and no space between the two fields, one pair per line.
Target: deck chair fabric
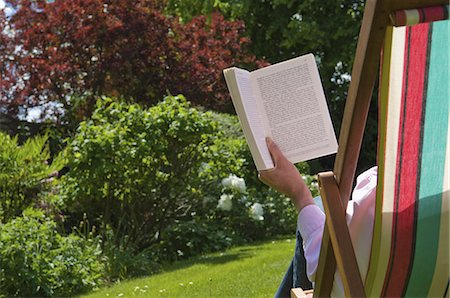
411,231
410,248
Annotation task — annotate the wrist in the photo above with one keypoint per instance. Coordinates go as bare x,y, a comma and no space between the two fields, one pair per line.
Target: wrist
302,198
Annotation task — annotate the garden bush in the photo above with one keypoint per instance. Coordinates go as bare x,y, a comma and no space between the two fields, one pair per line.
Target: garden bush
138,169
279,213
168,182
123,260
36,261
24,173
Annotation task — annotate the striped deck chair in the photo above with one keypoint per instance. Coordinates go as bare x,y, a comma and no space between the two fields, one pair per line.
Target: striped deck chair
411,236
410,246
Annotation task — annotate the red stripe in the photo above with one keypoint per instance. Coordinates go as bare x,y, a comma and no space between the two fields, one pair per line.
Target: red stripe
421,12
400,17
407,163
434,13
426,15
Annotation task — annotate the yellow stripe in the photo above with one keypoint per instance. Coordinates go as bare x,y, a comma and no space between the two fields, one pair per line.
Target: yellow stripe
383,230
383,101
441,274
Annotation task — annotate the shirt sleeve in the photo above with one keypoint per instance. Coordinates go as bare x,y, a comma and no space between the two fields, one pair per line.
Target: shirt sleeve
360,216
310,223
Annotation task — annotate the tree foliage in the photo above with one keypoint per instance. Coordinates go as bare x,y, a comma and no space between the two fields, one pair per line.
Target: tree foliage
63,51
281,29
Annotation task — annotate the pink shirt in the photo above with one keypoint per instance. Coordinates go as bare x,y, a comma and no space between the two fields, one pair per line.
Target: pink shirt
360,217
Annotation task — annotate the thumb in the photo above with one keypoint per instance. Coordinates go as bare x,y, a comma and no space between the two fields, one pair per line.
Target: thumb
275,152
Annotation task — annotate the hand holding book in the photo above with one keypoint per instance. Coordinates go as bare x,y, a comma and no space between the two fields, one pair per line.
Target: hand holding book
285,178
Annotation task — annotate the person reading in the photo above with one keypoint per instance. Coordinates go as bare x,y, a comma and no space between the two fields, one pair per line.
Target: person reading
285,178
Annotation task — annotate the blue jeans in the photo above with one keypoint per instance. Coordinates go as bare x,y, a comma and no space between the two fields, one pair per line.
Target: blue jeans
295,276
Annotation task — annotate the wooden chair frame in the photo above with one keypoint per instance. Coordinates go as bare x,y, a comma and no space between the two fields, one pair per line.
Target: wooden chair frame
336,186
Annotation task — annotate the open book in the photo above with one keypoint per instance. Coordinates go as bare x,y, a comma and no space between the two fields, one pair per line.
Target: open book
286,102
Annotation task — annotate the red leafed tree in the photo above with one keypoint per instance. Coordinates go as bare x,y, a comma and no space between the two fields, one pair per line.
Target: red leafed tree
207,47
67,49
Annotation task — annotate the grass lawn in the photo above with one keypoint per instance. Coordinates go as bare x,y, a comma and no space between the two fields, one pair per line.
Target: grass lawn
245,271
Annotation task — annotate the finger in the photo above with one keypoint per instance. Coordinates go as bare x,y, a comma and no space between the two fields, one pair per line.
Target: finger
274,151
261,177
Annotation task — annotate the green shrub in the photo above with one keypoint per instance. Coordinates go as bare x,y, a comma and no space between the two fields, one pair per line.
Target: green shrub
123,260
23,173
37,261
158,182
138,169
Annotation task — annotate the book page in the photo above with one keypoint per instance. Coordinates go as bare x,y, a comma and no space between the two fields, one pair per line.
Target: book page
293,108
254,118
249,118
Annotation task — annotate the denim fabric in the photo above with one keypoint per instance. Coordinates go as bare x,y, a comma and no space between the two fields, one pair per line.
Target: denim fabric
295,276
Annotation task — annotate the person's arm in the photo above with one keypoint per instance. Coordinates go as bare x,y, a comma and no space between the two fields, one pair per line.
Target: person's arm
310,224
285,178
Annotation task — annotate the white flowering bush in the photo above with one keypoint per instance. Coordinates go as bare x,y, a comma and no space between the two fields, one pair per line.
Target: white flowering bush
225,202
244,207
234,206
257,211
234,182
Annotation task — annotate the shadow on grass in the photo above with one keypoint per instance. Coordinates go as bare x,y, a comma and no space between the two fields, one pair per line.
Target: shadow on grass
240,254
219,259
223,258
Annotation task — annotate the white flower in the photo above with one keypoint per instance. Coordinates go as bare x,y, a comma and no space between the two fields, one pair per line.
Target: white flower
234,182
225,202
257,211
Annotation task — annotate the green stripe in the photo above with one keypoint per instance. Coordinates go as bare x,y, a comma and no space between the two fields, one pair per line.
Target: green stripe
433,163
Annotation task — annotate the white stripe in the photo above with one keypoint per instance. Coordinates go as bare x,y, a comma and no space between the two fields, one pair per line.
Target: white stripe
412,17
393,119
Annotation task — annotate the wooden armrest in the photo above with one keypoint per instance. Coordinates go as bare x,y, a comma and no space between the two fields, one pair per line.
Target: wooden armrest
340,236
